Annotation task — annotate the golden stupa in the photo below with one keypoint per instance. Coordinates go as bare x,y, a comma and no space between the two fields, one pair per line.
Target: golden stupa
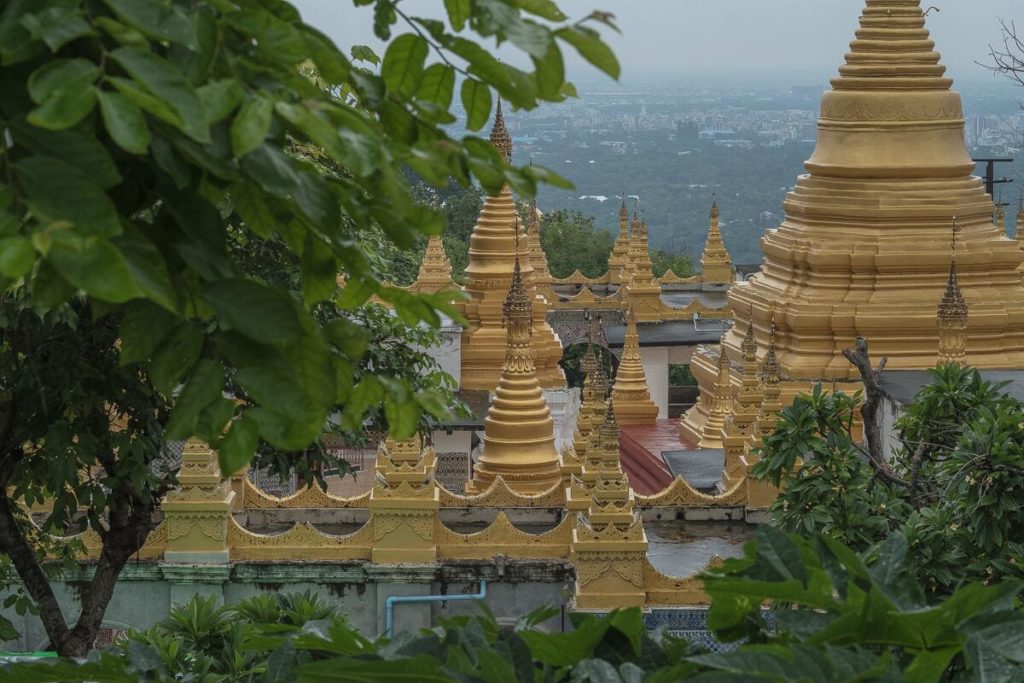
715,263
492,250
864,247
519,438
642,291
630,395
435,270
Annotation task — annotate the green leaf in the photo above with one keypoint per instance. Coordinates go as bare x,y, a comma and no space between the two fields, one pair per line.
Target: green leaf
204,386
63,89
58,25
175,355
542,8
283,176
251,204
220,98
7,630
83,151
165,82
550,71
351,339
437,86
590,46
122,34
363,53
143,327
57,191
93,265
403,63
262,313
403,417
124,122
251,125
421,669
319,271
476,100
17,256
239,445
459,12
160,20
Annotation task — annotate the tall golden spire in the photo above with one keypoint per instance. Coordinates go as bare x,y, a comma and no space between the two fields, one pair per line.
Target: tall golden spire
492,250
721,405
519,438
643,293
542,279
739,426
952,315
630,394
715,263
618,261
435,269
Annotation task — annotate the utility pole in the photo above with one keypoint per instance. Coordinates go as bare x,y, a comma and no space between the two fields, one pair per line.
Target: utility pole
990,174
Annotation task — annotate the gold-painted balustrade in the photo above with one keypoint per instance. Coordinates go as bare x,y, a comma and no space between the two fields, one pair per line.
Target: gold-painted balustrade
602,535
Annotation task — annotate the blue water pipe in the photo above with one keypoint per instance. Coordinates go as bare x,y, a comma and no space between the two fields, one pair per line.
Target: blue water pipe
389,604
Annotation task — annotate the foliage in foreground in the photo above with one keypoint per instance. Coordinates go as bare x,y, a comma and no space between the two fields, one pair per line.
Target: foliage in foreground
838,616
952,488
146,149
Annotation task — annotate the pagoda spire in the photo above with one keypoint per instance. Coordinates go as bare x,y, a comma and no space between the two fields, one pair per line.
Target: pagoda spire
721,403
643,292
715,263
630,395
435,269
493,247
952,314
739,427
519,438
500,137
618,261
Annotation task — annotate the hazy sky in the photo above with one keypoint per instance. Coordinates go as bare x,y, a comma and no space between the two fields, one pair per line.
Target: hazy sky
787,38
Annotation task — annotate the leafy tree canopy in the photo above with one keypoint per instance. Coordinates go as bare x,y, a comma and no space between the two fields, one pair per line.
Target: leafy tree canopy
156,157
951,489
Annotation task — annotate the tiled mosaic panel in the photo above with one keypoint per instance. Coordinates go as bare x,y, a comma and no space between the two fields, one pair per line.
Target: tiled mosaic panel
691,623
452,471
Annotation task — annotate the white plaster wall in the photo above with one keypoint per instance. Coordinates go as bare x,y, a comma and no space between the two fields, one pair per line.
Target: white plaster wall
888,412
456,442
449,354
564,405
655,359
680,355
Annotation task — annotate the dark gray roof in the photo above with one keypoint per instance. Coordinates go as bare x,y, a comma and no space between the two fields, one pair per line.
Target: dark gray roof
478,402
702,469
903,385
674,333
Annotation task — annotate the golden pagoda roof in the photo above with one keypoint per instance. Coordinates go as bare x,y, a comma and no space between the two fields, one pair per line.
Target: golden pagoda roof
630,394
892,50
715,262
435,268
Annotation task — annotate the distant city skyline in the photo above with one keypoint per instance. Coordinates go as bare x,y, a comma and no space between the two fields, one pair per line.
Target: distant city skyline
801,40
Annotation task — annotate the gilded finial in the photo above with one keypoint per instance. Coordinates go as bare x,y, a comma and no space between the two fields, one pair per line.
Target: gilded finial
500,137
952,312
518,309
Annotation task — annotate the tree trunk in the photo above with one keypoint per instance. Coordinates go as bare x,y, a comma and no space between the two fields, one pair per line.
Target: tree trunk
129,527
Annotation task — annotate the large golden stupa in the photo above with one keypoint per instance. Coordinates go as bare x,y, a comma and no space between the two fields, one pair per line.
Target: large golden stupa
864,248
492,253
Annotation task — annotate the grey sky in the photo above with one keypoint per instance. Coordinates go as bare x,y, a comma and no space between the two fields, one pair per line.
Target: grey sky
759,38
